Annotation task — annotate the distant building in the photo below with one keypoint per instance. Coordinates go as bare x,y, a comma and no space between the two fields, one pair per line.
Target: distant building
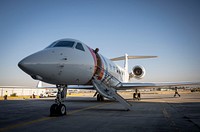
21,91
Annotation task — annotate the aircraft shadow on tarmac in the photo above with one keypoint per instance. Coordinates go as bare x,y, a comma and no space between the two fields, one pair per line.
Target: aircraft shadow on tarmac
88,100
152,98
107,109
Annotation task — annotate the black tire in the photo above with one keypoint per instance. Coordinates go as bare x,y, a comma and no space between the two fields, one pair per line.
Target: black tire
134,95
101,98
62,109
98,97
54,110
139,96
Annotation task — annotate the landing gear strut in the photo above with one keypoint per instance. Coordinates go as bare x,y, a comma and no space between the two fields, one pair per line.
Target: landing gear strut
99,97
59,109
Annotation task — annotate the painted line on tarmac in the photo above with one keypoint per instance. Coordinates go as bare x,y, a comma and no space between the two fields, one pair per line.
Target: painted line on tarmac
46,118
25,123
87,108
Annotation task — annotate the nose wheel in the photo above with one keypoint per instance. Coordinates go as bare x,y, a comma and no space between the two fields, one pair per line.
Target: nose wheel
59,109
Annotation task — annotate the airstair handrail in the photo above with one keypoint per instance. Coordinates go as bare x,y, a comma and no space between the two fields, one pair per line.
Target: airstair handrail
111,76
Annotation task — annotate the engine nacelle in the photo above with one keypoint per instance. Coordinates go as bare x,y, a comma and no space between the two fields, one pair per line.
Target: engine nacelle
138,72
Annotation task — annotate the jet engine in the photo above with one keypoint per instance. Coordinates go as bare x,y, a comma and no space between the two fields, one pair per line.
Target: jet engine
138,72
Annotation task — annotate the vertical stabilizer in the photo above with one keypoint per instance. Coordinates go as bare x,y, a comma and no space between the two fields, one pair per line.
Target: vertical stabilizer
126,75
125,58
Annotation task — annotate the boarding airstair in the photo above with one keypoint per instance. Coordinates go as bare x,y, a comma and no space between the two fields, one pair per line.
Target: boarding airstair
105,88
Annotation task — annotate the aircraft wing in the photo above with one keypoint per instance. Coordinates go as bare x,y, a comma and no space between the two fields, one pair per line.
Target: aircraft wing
125,86
87,87
153,85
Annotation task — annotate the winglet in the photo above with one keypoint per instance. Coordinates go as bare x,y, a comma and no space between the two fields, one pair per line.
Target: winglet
39,85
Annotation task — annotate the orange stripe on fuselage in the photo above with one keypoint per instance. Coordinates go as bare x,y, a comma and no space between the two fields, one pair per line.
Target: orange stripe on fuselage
101,72
95,59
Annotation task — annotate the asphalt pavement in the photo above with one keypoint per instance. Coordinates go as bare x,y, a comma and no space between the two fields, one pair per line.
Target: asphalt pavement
154,112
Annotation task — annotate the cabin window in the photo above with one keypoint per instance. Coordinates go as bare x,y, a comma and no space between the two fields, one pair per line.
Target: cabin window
79,46
64,44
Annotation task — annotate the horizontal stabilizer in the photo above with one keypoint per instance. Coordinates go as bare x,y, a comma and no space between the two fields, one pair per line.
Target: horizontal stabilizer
132,57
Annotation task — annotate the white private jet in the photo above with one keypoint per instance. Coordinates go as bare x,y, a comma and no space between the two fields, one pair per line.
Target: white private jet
69,63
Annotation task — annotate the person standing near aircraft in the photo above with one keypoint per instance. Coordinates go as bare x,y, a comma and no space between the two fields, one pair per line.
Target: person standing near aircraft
33,96
6,96
176,92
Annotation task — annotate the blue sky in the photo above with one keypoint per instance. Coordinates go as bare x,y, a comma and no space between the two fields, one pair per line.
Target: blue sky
169,29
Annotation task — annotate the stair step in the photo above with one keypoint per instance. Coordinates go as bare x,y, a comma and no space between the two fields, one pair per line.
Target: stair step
110,92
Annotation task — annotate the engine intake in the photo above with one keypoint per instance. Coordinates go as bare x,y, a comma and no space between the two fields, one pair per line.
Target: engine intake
138,72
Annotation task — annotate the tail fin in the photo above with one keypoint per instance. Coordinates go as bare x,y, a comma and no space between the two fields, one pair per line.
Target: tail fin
125,58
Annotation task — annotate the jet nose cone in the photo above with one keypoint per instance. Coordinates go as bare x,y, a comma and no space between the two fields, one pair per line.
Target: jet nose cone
29,66
23,65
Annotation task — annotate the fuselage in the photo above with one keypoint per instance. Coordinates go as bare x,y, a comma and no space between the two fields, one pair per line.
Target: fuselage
69,62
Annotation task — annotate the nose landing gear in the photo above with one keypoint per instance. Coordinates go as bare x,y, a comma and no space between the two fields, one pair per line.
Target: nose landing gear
59,109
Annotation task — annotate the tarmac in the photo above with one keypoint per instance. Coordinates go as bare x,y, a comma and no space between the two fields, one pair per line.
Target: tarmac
154,112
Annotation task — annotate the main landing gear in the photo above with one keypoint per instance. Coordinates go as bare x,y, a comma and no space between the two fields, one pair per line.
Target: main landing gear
59,109
136,95
99,97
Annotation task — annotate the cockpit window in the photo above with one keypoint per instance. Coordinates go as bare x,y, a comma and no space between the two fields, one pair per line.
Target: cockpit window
51,45
79,46
64,44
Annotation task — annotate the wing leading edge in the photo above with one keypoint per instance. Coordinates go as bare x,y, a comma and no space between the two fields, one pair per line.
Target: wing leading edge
86,87
154,85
